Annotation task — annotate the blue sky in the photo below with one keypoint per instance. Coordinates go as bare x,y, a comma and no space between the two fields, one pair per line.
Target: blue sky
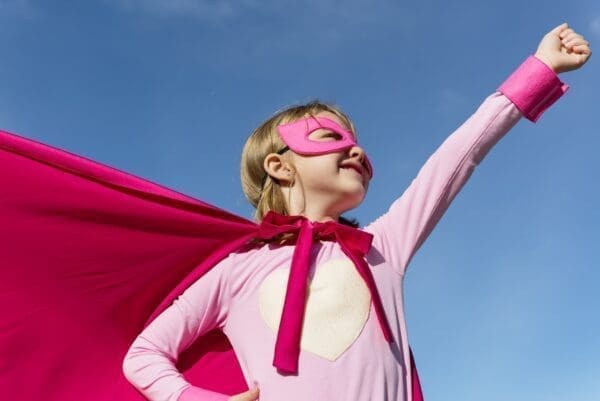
501,299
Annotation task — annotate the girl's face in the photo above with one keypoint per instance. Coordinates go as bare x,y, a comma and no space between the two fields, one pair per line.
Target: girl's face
332,182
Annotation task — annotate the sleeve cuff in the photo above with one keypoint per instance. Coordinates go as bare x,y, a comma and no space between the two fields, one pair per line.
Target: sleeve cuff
533,87
193,393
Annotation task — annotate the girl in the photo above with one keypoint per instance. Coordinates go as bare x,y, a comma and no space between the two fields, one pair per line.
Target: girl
299,317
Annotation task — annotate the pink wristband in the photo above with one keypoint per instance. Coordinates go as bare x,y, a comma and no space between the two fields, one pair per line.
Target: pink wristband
533,87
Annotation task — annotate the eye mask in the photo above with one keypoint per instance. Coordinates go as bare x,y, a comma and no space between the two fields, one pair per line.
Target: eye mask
296,136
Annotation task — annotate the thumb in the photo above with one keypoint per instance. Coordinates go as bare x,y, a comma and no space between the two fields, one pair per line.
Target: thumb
559,28
250,395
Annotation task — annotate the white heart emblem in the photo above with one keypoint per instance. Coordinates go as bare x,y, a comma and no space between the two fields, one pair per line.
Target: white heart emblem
337,306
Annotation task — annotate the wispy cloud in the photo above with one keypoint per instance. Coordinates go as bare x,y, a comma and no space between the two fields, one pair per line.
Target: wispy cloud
595,26
200,9
450,101
280,27
16,8
349,11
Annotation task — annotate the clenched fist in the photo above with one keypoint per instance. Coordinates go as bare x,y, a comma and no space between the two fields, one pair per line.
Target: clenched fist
563,49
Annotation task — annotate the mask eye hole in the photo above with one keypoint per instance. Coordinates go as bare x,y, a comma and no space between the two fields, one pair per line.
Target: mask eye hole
325,136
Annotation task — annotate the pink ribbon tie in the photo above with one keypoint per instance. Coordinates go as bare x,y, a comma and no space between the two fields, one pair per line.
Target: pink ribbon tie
355,244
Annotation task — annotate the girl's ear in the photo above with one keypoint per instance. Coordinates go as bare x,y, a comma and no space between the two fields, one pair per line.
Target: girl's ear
278,168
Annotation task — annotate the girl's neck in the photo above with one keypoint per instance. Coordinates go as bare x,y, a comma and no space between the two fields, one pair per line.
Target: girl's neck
314,209
322,219
318,217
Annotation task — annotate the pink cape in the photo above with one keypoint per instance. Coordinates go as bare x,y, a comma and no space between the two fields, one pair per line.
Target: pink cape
89,256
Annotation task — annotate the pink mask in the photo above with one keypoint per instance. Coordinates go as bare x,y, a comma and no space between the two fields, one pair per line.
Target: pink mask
295,135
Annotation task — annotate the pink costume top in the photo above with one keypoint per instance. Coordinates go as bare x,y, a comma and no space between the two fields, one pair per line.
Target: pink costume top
344,354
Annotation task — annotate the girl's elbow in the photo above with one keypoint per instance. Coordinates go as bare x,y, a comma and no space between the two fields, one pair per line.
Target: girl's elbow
129,367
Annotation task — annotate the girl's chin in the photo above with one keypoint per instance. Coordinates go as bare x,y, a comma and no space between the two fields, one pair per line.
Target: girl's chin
358,187
355,197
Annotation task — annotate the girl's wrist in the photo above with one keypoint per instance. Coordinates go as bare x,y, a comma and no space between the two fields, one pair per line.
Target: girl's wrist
546,61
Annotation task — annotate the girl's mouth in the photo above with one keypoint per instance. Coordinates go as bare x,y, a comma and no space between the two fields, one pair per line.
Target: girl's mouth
353,168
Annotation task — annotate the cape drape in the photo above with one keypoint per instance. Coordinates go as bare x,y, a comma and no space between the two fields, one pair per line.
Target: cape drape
89,255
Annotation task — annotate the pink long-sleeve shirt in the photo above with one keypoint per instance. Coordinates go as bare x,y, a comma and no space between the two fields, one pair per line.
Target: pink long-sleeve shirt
344,355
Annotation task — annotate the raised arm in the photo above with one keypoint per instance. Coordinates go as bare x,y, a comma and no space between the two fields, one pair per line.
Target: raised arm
150,362
528,92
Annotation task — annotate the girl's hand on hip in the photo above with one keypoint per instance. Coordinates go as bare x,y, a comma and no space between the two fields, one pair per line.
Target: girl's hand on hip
563,49
249,395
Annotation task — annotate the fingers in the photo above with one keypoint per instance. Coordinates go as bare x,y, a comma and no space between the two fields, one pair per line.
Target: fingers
571,40
583,49
572,37
576,41
565,32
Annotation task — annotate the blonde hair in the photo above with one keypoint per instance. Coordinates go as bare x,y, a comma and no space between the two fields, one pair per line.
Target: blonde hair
264,140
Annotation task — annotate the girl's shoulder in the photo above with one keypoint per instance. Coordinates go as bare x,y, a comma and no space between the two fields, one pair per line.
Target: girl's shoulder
260,249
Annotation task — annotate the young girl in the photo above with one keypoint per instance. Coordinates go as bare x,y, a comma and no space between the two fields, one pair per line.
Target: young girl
322,323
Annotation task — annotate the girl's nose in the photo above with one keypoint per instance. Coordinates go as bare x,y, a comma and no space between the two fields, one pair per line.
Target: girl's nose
357,151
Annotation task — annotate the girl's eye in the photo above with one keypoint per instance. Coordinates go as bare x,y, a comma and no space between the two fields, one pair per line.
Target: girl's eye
332,135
